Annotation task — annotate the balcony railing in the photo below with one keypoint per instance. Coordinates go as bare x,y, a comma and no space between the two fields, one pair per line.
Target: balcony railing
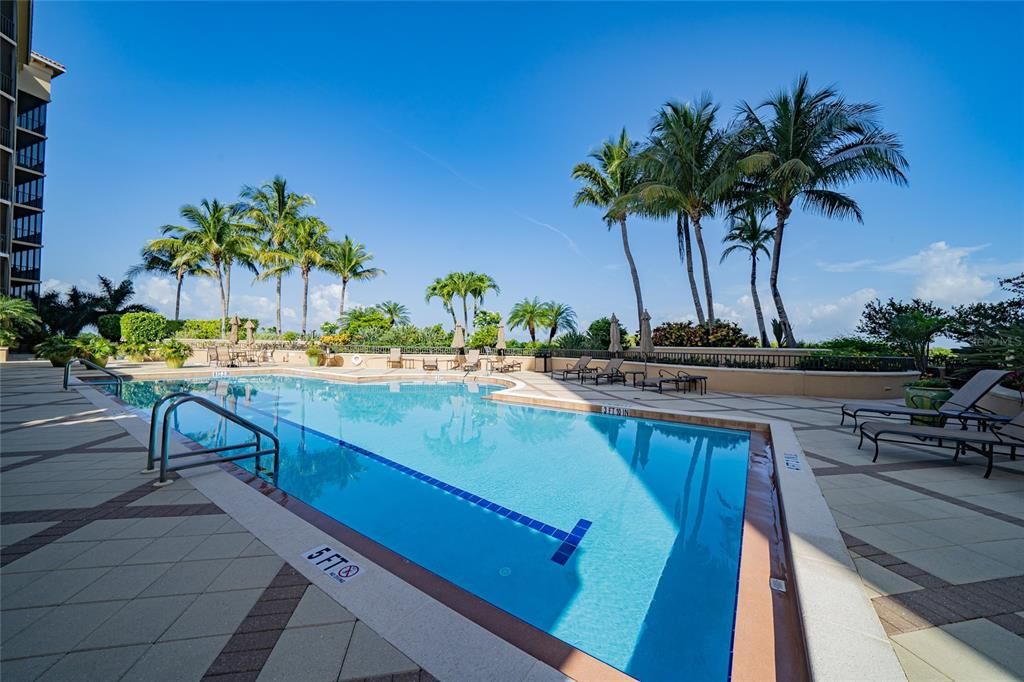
36,164
7,84
5,190
7,27
31,274
33,119
29,237
5,136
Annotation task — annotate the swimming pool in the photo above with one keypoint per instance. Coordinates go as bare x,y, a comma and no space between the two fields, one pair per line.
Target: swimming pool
619,536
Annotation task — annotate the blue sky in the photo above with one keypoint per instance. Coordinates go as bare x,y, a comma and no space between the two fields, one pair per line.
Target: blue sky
442,136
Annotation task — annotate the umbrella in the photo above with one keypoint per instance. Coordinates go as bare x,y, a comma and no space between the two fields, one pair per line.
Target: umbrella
616,345
500,345
249,326
234,329
646,343
459,339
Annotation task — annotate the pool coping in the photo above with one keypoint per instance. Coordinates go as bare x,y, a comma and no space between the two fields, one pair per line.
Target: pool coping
818,583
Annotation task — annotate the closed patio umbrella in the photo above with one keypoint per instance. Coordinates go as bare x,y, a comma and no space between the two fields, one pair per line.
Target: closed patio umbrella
248,332
459,339
646,343
500,345
615,347
234,329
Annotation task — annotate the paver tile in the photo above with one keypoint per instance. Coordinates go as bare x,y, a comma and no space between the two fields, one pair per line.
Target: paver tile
213,613
27,668
318,608
59,630
882,580
186,577
178,661
150,528
165,549
16,532
121,582
957,564
227,546
13,621
108,553
101,664
199,525
50,557
319,651
140,621
53,588
247,572
957,658
370,655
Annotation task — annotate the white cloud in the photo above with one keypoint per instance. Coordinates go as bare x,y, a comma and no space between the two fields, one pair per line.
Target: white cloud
52,284
159,292
944,274
821,320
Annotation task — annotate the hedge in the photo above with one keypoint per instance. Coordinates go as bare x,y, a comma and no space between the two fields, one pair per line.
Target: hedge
210,329
143,327
109,326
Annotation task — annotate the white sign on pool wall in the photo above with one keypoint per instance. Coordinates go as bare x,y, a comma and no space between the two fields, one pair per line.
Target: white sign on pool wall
615,410
332,563
792,461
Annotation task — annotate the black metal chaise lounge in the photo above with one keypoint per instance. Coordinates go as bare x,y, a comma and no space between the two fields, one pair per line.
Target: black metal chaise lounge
612,371
1009,434
963,406
681,380
578,369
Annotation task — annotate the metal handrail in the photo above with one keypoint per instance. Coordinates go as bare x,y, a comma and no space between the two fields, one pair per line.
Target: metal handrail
182,398
118,379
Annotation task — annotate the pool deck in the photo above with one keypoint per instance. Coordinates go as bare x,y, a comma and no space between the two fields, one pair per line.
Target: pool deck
104,578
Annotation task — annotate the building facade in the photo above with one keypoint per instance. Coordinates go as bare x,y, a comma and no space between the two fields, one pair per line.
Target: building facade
25,78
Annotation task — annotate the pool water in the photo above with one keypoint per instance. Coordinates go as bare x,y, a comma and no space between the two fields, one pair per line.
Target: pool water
619,536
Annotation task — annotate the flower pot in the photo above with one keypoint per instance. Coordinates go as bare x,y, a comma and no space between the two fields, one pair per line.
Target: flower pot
314,360
61,360
102,362
928,399
175,363
137,358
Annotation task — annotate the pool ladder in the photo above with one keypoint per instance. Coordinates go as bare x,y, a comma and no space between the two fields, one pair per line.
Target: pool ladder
117,383
164,456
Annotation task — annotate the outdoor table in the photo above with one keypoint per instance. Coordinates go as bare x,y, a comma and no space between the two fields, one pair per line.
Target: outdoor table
634,373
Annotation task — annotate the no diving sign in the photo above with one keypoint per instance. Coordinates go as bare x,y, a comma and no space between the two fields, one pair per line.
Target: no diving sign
332,563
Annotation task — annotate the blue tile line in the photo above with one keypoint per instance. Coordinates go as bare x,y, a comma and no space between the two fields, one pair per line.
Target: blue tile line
569,540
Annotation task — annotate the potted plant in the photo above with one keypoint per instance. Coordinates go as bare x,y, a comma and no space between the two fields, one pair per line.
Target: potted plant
314,354
94,348
928,393
136,351
57,349
16,316
174,352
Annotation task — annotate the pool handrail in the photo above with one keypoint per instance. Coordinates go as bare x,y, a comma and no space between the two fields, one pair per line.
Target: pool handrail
118,379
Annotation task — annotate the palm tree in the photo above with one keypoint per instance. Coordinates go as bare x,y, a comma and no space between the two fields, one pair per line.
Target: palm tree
747,232
477,286
276,213
171,256
559,317
395,311
441,288
215,229
809,144
116,299
692,166
305,249
17,316
529,314
605,185
348,259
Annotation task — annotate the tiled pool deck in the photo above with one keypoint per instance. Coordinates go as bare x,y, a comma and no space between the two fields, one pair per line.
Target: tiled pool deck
164,585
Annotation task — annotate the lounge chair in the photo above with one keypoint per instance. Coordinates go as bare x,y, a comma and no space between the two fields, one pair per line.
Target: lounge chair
664,378
1009,434
698,381
222,356
611,371
395,358
472,361
962,406
578,369
432,363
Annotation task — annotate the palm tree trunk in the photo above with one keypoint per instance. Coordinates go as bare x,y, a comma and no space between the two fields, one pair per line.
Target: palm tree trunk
305,298
227,289
451,310
533,334
781,213
707,274
551,335
223,300
686,255
177,294
465,315
757,303
341,307
633,273
278,286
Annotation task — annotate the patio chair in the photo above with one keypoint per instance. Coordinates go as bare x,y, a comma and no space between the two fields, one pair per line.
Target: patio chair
222,356
611,371
664,378
1009,434
698,381
472,361
395,358
507,365
432,363
963,406
577,369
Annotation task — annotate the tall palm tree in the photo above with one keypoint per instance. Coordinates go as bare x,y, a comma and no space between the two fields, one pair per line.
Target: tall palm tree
115,299
441,288
692,167
216,230
306,248
605,185
804,144
275,212
395,312
529,314
478,285
171,256
349,260
748,233
559,317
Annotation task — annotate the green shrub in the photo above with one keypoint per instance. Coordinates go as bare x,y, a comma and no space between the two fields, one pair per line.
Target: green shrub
173,327
289,336
136,351
600,334
483,337
723,334
855,345
572,340
209,329
172,349
57,349
143,327
94,347
109,326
